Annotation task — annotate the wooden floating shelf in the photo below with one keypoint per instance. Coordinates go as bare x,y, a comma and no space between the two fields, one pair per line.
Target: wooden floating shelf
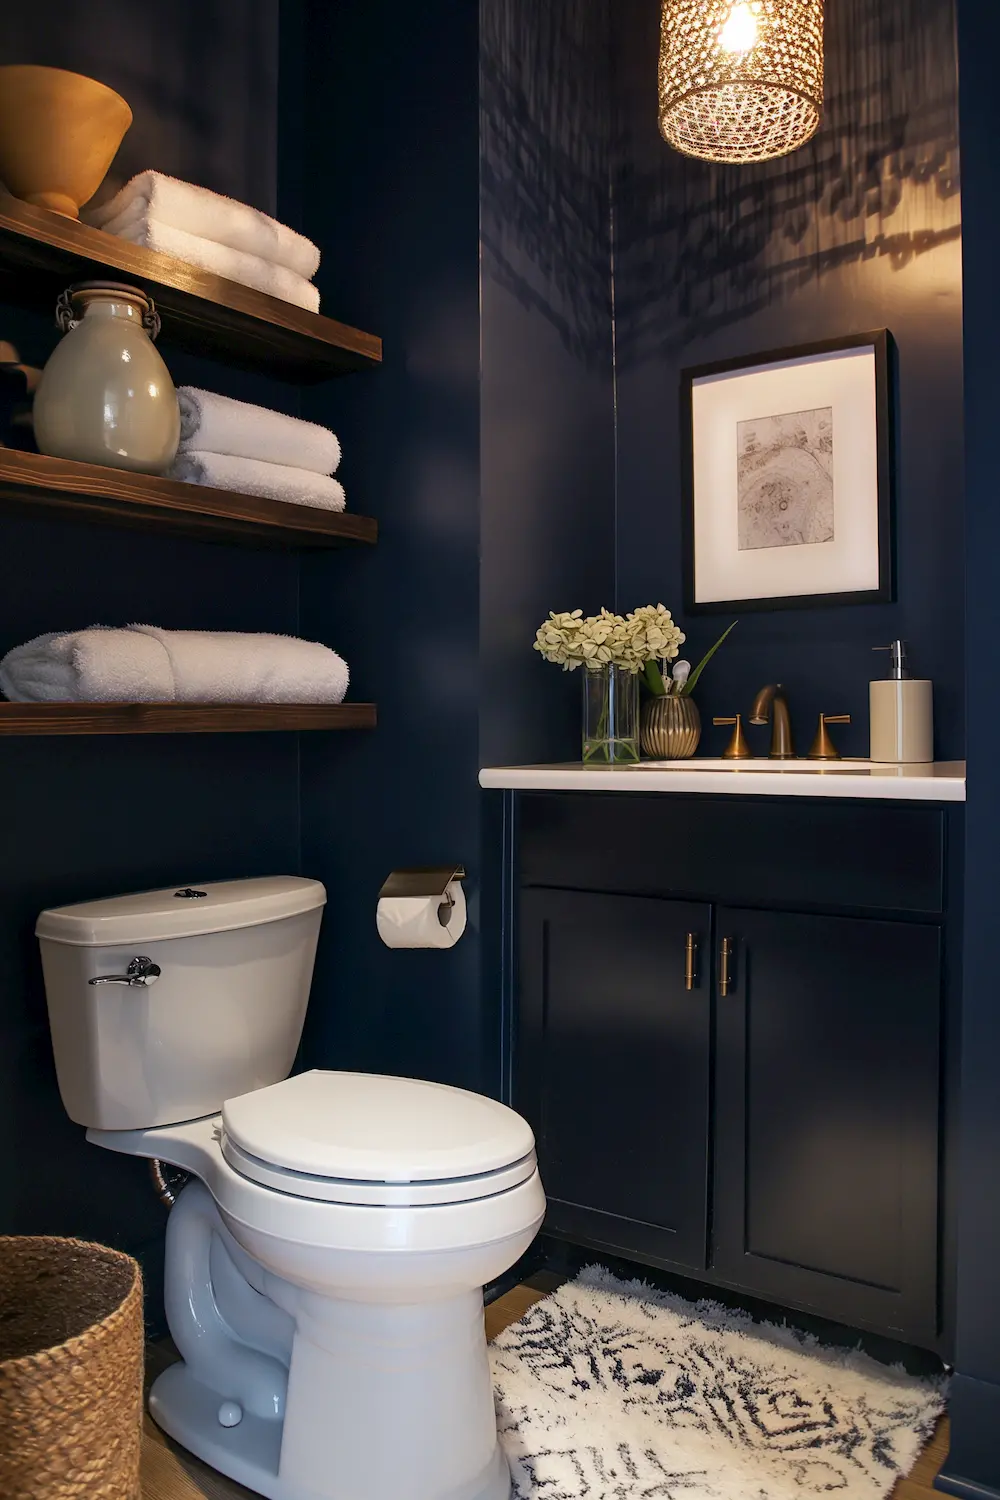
180,718
32,482
42,252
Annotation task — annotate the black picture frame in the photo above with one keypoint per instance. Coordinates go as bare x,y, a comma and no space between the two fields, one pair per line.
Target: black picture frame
881,341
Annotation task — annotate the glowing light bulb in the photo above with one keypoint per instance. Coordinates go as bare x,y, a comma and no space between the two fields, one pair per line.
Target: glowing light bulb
739,32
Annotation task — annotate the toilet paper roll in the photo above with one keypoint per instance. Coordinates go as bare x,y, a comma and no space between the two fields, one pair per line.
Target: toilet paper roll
412,921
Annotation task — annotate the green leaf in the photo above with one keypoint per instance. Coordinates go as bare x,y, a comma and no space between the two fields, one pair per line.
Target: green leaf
689,686
653,679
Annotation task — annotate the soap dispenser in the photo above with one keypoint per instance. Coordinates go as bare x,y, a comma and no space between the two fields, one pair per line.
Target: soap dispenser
902,712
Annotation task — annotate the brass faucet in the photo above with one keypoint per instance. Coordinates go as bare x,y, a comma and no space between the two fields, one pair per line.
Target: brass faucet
771,705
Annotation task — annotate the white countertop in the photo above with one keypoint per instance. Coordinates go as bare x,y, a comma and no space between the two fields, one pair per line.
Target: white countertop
941,781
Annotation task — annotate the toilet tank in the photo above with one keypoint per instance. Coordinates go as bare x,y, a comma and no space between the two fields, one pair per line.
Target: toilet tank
223,1017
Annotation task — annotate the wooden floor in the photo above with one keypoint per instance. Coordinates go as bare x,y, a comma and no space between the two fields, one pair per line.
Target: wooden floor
168,1473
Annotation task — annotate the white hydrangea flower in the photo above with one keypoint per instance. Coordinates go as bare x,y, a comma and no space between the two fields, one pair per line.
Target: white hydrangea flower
570,641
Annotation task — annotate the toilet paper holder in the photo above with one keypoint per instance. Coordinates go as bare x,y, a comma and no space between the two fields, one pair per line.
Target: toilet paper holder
426,880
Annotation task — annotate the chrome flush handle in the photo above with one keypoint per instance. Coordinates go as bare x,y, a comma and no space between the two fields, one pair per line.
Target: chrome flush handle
140,973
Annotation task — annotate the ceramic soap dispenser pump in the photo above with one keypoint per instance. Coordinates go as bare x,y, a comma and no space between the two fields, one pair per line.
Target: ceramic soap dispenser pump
902,712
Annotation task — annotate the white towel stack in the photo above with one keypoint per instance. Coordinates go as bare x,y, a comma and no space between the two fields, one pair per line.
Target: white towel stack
213,232
232,445
142,664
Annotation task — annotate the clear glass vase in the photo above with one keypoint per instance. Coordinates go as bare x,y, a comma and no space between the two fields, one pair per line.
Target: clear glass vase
610,716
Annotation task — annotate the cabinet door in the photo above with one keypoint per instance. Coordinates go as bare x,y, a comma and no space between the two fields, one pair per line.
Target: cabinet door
827,1116
613,1068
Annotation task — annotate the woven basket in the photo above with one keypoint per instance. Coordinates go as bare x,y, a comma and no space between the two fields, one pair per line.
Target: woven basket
71,1348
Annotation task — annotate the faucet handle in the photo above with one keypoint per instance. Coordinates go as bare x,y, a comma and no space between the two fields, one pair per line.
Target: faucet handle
823,747
737,749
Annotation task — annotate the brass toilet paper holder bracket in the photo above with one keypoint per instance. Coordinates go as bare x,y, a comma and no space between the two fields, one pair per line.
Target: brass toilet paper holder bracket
426,880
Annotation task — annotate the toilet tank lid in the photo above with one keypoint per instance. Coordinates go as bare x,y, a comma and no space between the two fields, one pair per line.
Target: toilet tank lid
179,911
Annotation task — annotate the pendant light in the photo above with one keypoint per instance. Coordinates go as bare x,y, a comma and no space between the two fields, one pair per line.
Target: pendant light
740,80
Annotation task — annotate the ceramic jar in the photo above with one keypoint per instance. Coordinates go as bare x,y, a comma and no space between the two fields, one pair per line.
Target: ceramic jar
670,727
105,396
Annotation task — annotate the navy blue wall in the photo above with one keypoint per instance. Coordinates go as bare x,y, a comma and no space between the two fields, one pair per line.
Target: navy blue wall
858,230
88,817
485,447
548,453
546,408
391,193
972,1468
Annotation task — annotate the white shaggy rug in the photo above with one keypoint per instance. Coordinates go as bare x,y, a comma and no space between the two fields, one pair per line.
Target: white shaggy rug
611,1390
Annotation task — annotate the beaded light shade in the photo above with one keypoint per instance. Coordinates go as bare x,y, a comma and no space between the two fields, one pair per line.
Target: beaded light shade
740,80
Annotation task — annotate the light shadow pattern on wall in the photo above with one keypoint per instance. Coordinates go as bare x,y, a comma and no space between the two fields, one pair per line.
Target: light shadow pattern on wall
699,247
545,169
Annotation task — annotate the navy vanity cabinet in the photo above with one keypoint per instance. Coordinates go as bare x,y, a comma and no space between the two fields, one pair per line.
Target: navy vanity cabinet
776,1128
615,1058
826,1117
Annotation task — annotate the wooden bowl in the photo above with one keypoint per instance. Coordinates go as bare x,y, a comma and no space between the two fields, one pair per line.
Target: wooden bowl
59,132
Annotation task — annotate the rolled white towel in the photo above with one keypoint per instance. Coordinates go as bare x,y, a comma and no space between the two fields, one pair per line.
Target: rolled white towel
217,424
211,216
210,666
235,265
97,665
252,476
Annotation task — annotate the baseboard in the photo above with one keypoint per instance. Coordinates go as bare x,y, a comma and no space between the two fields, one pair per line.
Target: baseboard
972,1468
531,1261
568,1258
963,1489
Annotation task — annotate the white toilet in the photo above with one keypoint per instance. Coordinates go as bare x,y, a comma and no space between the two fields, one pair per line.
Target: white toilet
324,1270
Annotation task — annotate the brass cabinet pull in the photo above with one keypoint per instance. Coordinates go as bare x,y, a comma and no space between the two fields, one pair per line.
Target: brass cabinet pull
725,978
690,959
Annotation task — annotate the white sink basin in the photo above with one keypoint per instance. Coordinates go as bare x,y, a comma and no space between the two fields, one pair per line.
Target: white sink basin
779,767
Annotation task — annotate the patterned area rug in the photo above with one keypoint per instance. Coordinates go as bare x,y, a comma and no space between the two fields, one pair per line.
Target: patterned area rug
611,1390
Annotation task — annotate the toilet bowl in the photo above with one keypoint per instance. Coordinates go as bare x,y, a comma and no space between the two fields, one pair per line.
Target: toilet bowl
325,1264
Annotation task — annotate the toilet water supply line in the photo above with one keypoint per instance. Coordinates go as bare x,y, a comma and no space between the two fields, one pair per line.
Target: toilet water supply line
161,1185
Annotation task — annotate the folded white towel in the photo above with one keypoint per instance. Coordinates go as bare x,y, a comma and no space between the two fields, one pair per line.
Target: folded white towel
252,476
146,665
218,666
183,205
97,665
235,265
218,424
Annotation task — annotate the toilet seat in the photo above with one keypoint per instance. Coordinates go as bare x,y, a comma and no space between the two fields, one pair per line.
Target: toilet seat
376,1194
368,1139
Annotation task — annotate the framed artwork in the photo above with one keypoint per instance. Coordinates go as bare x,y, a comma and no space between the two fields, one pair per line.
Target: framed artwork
788,478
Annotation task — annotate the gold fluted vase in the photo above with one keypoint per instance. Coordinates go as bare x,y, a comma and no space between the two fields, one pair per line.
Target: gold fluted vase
669,728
